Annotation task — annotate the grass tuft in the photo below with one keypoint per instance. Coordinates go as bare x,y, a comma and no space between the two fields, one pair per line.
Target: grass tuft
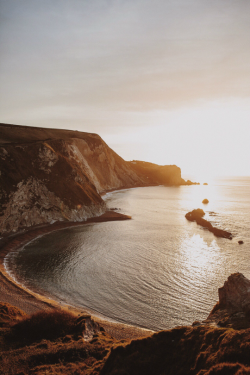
43,325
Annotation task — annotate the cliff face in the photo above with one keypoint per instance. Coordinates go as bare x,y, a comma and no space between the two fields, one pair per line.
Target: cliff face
40,183
58,178
52,175
233,307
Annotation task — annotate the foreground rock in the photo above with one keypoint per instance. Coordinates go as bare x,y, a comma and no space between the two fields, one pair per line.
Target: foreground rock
233,308
196,215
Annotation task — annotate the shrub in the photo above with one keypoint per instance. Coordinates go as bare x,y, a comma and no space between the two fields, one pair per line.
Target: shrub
43,325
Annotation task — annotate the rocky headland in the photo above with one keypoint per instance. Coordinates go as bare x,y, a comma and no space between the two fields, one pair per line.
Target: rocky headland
197,215
50,175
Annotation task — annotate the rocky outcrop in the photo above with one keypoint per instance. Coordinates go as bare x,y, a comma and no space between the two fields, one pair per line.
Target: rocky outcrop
233,308
9,314
41,184
205,201
50,175
205,348
197,215
235,294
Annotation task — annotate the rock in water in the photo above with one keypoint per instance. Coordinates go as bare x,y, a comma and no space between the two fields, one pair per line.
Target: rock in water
196,215
205,201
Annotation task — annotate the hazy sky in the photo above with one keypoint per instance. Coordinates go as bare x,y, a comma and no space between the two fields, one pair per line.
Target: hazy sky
166,81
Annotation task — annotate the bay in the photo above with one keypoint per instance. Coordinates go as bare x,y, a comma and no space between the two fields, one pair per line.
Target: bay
157,270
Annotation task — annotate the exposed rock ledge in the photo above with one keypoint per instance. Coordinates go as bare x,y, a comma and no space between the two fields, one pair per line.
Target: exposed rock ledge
233,308
196,215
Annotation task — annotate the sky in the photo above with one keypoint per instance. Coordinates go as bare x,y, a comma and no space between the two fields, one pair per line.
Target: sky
165,81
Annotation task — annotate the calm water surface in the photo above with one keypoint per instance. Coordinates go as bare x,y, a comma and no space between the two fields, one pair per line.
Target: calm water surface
157,270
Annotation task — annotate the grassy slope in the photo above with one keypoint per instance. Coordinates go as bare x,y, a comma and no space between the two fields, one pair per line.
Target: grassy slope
53,343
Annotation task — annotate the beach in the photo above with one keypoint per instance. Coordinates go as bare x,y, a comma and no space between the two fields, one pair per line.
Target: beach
31,302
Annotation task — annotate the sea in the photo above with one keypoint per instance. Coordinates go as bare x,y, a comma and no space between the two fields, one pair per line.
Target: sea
157,270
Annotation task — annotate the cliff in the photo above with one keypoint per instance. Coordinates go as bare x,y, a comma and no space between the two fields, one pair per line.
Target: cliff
158,174
50,175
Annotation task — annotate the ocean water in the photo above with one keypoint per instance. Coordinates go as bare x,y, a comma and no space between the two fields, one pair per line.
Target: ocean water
157,270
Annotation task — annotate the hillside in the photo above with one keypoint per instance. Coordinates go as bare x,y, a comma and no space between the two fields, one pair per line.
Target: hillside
59,342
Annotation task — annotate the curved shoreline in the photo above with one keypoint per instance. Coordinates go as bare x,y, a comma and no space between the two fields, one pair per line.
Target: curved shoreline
31,302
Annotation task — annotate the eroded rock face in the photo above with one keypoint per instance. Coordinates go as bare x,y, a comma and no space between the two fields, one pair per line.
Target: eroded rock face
235,294
44,180
233,308
32,204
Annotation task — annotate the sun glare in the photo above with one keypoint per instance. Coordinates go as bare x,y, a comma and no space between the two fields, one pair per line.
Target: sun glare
198,255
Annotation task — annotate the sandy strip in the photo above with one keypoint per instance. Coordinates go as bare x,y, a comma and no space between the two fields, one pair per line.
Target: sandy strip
31,302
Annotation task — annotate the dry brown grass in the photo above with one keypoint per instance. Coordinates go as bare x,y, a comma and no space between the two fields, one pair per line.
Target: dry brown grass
42,325
183,351
52,343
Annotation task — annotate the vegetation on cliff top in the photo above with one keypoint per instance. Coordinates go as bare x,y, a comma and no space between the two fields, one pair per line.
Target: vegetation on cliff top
55,343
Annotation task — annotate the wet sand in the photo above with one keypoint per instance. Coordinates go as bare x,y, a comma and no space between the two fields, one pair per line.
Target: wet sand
31,302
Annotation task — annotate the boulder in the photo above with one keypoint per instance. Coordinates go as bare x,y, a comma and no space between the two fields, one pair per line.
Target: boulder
196,215
233,308
205,201
240,242
235,294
